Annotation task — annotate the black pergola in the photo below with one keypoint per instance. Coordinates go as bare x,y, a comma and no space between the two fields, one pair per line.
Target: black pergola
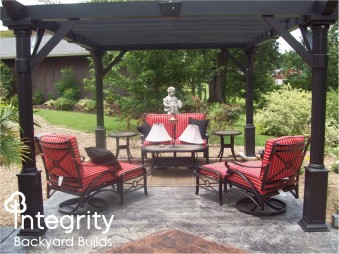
175,25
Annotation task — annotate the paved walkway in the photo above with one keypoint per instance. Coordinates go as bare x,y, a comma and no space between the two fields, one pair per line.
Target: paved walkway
178,208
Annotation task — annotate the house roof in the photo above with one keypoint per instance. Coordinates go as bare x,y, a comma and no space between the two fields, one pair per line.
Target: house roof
8,48
138,25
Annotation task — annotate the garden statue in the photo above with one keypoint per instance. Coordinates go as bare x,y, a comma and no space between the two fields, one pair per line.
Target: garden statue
171,103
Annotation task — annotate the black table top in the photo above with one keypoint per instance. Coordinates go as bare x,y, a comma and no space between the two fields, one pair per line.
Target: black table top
227,133
122,134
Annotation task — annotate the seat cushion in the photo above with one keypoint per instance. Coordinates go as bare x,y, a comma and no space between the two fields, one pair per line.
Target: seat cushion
216,170
130,171
91,172
250,169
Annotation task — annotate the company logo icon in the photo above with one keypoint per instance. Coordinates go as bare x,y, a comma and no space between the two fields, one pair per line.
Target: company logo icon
12,205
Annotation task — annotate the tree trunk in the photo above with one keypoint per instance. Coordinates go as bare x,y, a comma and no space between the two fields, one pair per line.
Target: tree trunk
217,84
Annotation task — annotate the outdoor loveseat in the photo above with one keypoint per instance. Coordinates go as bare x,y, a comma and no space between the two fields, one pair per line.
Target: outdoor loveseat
183,120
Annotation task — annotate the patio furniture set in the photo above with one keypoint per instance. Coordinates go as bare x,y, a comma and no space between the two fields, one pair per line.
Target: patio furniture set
259,180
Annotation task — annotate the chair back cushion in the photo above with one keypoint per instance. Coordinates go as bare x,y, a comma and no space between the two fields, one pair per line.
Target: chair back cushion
282,158
61,159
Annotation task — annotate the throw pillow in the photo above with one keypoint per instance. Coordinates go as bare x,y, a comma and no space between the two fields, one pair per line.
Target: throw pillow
100,156
202,124
144,129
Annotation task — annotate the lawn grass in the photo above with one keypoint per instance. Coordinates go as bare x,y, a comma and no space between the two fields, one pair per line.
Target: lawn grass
87,123
83,121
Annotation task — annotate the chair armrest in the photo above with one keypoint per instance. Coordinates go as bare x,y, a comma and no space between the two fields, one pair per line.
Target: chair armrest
240,164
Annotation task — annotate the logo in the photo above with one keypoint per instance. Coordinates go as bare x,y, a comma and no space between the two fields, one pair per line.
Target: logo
16,204
66,222
13,206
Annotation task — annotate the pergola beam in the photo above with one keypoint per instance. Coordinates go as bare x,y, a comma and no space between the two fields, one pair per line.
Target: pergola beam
280,29
40,56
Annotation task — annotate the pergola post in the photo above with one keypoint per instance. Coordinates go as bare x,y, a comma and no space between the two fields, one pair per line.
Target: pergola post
29,179
100,131
249,129
316,175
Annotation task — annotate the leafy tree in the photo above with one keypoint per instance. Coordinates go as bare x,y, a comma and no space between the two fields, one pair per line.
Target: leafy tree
217,82
303,80
266,60
139,82
291,59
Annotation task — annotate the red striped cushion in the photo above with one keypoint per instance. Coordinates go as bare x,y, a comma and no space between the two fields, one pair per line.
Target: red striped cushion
276,163
218,167
130,171
91,172
57,155
251,171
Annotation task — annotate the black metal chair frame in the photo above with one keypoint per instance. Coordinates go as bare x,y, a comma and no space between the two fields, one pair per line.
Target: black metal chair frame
133,184
86,197
254,199
210,183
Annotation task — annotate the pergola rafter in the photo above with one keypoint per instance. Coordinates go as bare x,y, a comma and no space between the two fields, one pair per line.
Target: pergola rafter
173,25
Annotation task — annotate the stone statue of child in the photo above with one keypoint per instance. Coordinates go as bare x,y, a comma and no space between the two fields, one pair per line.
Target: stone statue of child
171,103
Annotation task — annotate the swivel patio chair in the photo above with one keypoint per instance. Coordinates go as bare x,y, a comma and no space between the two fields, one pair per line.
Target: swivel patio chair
67,172
278,172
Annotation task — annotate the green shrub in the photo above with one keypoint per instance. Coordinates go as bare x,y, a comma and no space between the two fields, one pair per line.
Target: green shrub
223,116
332,118
192,104
86,105
63,104
331,132
6,79
38,97
332,105
49,104
72,93
287,112
67,86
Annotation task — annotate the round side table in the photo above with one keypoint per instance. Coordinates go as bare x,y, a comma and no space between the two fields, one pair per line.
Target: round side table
223,134
123,134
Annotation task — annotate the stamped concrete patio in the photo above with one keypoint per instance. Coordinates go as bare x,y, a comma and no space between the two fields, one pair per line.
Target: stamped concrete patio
178,208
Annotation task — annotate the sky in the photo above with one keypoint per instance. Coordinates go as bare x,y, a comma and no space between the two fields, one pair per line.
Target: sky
283,46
